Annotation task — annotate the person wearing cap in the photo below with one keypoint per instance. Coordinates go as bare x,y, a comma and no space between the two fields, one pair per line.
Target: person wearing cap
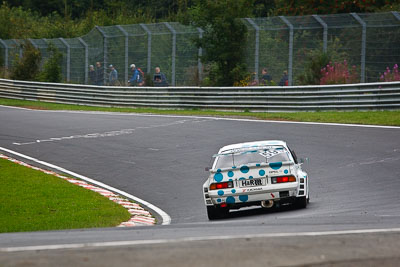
136,78
113,78
92,75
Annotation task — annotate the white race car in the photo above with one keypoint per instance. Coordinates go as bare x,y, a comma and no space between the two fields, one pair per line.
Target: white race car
264,173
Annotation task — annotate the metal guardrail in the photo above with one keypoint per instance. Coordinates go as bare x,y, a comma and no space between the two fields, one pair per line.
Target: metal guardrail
367,96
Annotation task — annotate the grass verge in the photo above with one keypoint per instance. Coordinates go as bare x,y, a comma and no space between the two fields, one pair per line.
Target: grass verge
31,200
389,118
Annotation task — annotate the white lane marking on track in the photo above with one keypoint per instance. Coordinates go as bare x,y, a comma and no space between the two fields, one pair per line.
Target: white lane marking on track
206,118
225,222
166,219
192,239
99,135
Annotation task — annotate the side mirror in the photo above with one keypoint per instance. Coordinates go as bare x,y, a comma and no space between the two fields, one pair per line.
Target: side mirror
304,160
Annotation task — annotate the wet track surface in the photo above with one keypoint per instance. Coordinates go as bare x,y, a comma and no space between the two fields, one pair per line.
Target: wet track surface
354,171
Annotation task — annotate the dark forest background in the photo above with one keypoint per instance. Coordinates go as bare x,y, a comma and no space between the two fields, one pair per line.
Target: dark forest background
71,18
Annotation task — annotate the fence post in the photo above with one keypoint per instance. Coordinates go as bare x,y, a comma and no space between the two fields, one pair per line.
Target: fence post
5,53
148,46
86,58
126,50
363,44
325,33
68,58
257,47
200,54
173,51
290,68
17,45
396,14
33,43
105,50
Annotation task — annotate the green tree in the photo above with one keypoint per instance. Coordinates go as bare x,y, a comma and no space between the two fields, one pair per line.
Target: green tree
316,60
263,8
312,71
27,67
51,71
224,37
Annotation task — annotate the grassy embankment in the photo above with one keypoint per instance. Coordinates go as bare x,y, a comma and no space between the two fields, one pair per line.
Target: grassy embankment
391,118
31,200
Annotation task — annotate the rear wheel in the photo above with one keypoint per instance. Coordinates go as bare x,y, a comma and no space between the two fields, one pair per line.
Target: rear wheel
301,202
216,213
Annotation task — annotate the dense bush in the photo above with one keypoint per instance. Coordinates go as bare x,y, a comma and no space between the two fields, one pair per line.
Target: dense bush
51,71
308,7
312,72
391,76
338,73
20,23
171,9
26,68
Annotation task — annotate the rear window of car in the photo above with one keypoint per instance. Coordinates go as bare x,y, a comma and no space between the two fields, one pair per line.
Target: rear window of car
228,160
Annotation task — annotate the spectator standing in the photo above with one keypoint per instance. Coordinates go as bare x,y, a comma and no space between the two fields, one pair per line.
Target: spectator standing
284,80
254,80
137,77
159,78
265,78
99,74
113,78
92,75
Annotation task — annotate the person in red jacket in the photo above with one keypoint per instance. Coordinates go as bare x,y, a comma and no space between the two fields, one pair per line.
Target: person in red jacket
284,80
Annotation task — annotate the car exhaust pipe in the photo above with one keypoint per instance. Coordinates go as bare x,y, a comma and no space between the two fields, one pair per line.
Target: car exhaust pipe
267,203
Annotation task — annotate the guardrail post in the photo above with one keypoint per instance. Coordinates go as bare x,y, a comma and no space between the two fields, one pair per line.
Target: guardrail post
126,50
257,47
290,67
325,33
200,54
5,53
105,51
68,58
147,30
363,44
86,58
173,51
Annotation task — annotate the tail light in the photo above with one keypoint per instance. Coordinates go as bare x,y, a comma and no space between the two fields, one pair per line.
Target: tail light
222,185
283,179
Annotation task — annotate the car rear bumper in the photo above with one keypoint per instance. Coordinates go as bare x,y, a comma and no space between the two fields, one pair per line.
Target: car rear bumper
245,196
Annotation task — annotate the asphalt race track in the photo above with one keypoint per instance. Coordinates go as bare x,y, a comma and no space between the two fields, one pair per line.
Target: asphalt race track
353,218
